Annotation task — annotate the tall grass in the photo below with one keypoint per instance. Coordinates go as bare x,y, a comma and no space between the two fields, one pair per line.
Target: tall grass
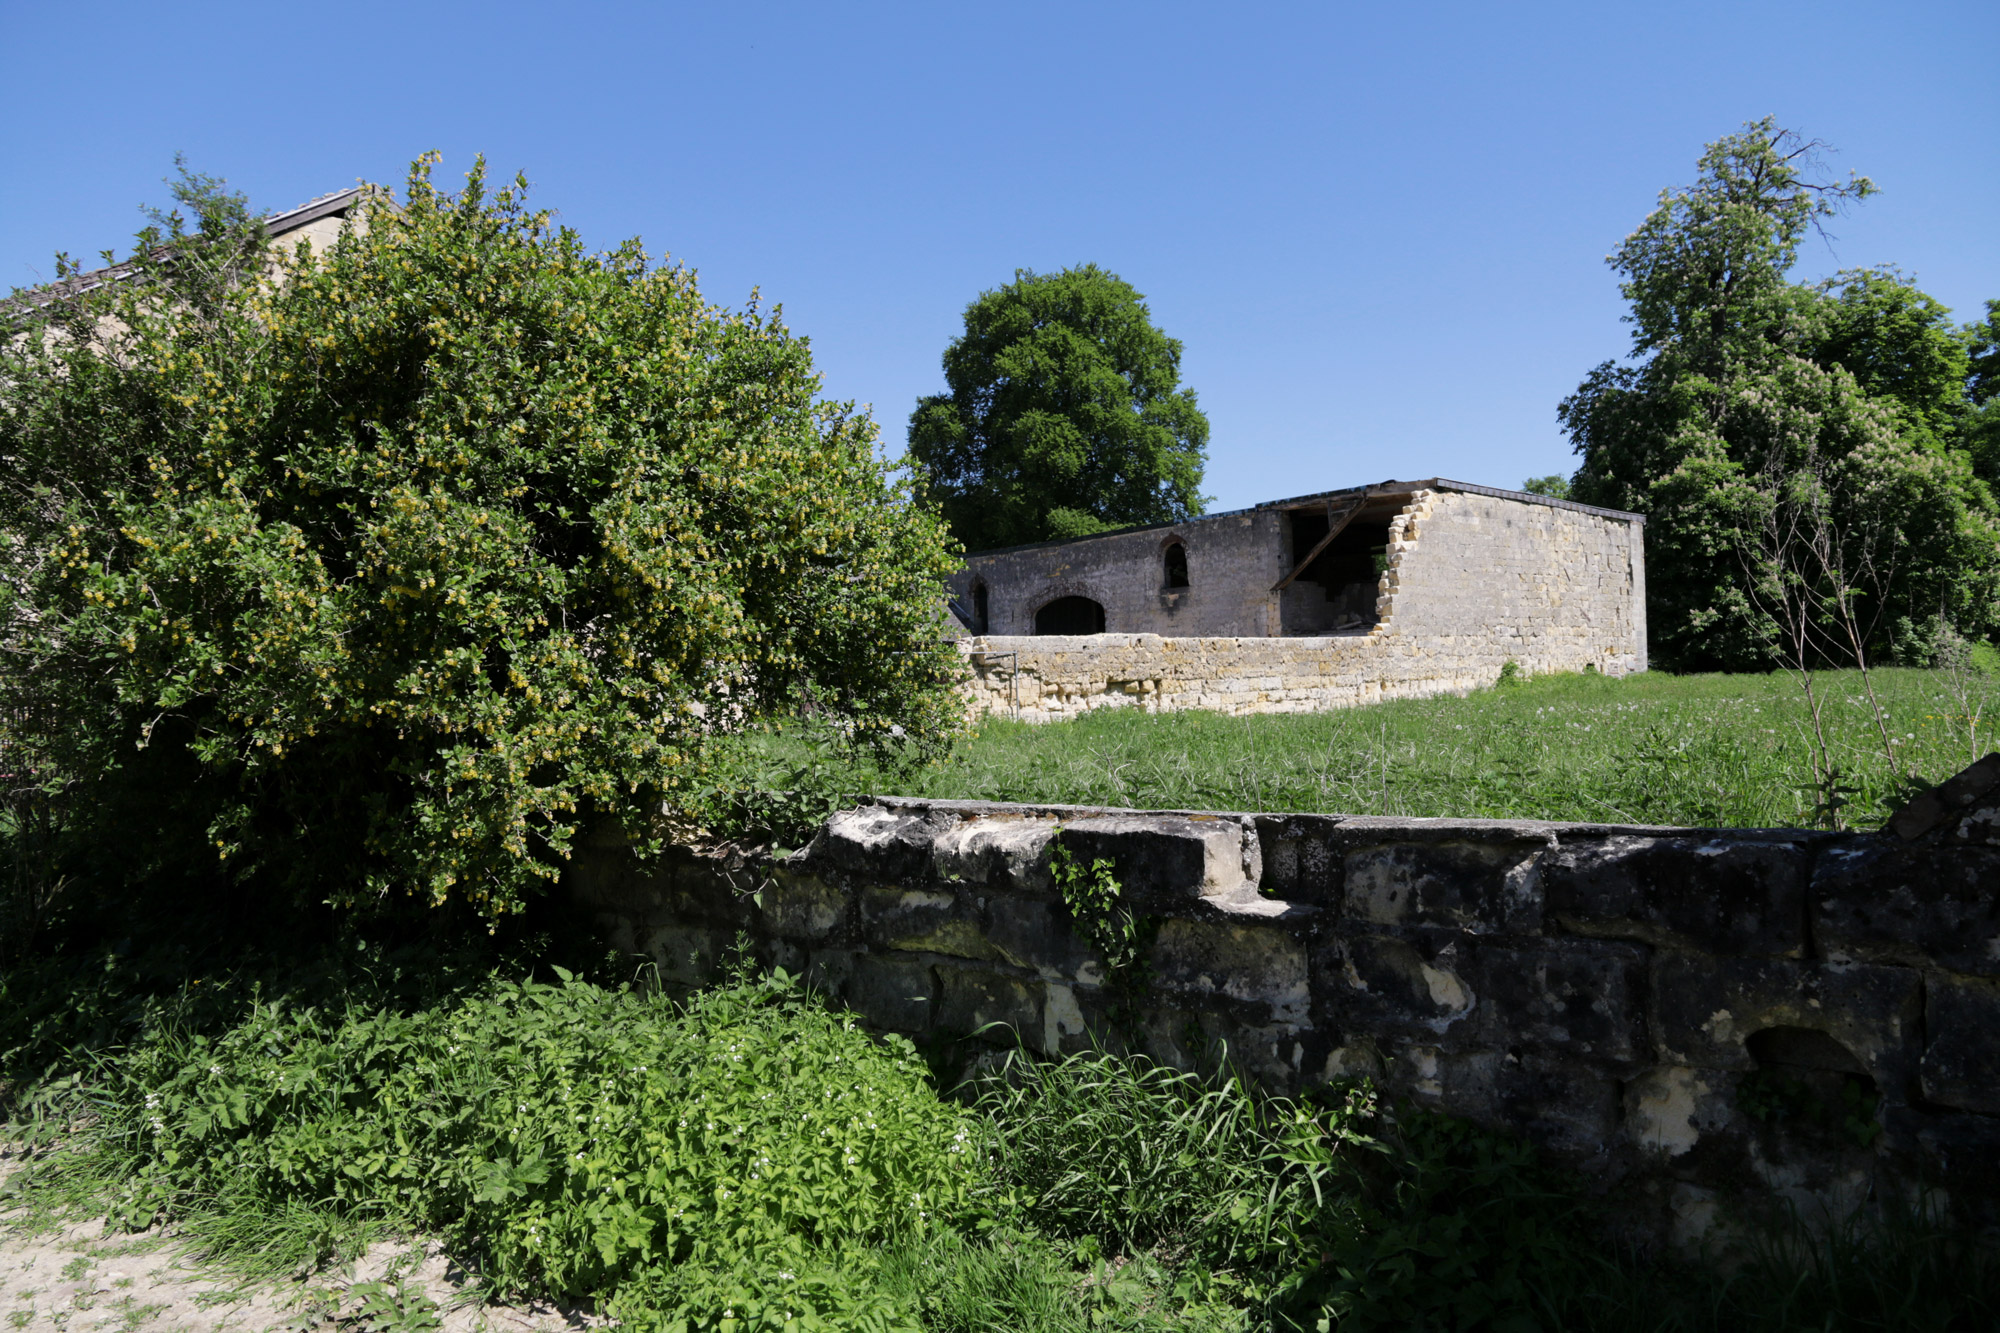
1714,750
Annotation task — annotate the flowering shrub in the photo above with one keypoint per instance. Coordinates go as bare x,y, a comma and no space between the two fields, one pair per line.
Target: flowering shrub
390,567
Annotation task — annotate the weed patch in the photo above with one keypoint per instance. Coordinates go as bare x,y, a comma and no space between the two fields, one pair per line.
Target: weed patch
749,1160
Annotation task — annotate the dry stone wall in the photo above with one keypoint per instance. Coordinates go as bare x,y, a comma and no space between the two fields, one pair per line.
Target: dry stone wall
1692,1016
1473,582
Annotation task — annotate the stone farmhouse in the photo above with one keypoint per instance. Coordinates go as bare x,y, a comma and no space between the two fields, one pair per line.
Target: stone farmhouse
1399,589
317,222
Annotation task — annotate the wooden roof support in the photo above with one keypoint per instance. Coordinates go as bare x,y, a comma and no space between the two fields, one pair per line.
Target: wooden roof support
1334,524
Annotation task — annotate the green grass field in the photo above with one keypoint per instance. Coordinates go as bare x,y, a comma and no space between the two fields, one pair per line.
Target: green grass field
1652,749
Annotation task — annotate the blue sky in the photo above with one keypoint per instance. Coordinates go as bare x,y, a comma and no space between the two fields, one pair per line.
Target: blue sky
1379,230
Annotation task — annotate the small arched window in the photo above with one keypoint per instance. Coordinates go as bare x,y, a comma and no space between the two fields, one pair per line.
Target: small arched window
1176,565
979,620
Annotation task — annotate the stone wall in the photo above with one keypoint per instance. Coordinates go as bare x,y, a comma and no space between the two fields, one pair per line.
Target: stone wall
1473,581
1688,1015
1232,561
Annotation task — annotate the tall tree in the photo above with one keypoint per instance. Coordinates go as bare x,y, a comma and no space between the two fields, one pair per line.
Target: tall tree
1981,432
1065,415
1742,381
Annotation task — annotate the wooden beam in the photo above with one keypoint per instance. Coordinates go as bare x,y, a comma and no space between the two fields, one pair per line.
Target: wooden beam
1333,529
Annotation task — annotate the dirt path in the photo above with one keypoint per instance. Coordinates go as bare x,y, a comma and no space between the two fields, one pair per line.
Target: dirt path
75,1278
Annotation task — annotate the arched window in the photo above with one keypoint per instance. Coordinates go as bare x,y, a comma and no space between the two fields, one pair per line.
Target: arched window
1070,615
1176,562
979,620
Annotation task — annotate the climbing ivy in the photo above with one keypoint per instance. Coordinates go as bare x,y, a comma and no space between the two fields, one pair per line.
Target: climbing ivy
1120,937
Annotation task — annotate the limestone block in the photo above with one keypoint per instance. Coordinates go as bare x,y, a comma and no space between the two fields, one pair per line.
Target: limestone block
1578,999
896,993
1948,800
1257,964
1980,825
1492,884
1064,1027
1387,988
1272,1053
878,842
1704,1011
1669,1107
1163,862
1036,936
1721,894
1199,1038
1961,1066
800,906
920,921
1566,1106
973,1001
1009,854
1883,900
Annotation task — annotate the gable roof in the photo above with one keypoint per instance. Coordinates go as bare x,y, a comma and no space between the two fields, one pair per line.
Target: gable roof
1318,499
275,226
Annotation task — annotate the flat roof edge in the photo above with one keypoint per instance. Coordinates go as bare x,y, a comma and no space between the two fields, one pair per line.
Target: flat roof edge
1474,488
1300,501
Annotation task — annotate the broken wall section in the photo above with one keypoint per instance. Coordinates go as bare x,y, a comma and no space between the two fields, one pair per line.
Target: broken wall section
1697,1017
1472,582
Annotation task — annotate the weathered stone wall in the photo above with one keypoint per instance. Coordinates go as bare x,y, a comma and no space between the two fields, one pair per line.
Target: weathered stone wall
1232,561
1686,1014
1473,581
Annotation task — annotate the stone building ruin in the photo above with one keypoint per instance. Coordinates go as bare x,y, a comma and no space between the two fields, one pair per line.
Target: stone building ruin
1399,589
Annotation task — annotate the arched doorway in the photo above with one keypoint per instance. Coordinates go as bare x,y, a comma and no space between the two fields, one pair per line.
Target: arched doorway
1070,615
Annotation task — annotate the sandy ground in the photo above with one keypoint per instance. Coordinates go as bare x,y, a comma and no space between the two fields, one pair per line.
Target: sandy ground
77,1278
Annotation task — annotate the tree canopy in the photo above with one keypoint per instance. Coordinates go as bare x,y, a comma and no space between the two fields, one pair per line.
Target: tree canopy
1064,415
1741,382
388,568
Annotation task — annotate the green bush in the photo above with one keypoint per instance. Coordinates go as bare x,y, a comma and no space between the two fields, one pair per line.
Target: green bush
392,572
568,1138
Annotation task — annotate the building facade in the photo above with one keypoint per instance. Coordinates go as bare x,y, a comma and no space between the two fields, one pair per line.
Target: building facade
1395,589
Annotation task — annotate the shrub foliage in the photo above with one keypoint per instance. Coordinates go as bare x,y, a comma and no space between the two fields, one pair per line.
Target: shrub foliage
390,566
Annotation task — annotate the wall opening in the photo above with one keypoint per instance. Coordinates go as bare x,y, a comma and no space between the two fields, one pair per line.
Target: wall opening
1338,590
1070,615
1176,565
979,618
1808,1091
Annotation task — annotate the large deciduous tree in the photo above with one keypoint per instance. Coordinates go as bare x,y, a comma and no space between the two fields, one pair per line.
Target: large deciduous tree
1065,415
387,568
1742,383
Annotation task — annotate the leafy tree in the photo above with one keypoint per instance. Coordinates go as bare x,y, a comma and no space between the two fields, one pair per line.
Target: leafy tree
1743,381
1555,486
394,571
1981,432
1899,344
1064,416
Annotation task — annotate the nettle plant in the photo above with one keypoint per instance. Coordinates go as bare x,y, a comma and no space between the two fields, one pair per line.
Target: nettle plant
399,562
734,1154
